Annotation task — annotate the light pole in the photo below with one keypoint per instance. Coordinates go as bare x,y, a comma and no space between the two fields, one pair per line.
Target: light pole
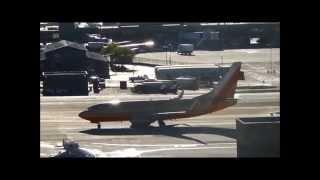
166,55
170,49
271,62
271,68
166,49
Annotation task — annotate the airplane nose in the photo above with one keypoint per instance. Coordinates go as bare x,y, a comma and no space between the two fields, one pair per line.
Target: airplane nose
84,115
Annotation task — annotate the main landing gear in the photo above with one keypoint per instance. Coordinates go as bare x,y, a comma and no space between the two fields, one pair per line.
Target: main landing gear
143,125
99,125
140,125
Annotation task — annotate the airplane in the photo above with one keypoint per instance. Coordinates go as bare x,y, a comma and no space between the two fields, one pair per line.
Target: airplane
136,47
144,112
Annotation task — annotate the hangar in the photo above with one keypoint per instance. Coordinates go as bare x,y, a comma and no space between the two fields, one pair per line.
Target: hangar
65,56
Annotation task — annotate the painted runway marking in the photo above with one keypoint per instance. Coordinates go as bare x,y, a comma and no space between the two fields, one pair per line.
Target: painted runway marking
160,145
133,152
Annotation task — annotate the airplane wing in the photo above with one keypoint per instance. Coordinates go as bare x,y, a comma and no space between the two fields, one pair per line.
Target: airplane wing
173,113
167,115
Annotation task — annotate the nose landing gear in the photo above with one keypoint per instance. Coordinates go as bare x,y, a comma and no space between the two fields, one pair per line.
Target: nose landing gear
161,123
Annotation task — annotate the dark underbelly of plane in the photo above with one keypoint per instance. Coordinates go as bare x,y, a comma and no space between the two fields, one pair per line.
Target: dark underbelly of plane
148,112
97,117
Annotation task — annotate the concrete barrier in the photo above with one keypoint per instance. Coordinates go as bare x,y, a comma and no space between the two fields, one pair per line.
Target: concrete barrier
257,90
258,137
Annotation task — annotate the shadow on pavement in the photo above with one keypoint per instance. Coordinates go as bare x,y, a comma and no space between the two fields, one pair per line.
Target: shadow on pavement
177,132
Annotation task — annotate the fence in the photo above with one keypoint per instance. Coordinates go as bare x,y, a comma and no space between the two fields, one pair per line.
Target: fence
156,61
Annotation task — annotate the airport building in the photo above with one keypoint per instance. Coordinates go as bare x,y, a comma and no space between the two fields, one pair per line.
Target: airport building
65,56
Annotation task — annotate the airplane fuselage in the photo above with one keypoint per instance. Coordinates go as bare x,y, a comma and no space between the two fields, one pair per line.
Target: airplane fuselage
123,111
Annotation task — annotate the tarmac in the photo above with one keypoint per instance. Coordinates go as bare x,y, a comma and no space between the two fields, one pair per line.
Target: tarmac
211,135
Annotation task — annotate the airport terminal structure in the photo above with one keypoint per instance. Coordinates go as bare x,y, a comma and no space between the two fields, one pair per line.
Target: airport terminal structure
159,89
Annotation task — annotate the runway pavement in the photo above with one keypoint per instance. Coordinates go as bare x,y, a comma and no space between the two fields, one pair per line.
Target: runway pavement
211,135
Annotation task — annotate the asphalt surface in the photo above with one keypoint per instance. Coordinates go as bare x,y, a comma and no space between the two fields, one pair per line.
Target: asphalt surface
211,135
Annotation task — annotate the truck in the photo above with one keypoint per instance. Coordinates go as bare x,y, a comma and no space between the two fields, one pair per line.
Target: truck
95,46
185,49
187,83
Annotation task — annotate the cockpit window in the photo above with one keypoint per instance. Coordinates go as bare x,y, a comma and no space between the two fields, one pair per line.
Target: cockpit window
101,107
97,107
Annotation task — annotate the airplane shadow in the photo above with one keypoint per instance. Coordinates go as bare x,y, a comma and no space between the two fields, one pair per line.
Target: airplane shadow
177,132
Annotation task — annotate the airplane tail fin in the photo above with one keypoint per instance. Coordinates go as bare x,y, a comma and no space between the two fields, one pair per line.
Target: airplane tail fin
227,87
222,95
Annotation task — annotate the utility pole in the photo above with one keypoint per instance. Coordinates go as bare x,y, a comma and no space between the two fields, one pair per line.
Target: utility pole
271,61
166,56
170,49
170,56
166,49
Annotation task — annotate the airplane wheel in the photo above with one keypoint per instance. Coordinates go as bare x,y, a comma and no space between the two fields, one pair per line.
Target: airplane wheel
99,126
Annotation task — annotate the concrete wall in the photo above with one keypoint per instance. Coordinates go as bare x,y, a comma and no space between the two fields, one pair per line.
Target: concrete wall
258,137
65,84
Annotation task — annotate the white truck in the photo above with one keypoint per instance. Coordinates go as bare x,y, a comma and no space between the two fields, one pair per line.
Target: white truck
95,45
185,49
